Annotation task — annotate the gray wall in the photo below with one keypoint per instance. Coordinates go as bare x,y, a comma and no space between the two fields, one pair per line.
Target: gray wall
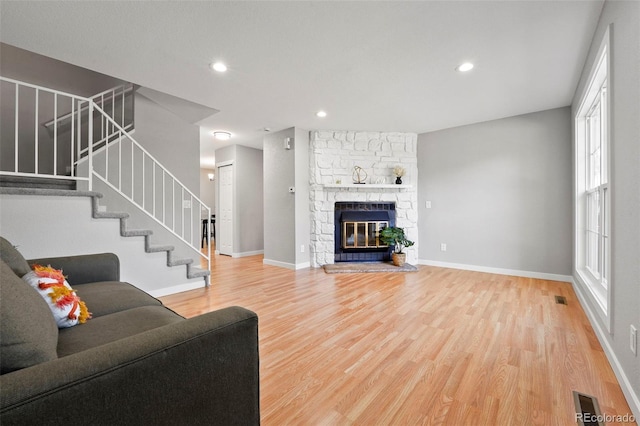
279,204
500,193
208,189
287,217
624,89
249,200
248,197
37,69
302,199
174,142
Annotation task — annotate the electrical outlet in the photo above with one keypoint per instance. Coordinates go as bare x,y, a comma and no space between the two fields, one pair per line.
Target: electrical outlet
302,248
633,339
102,209
427,204
443,247
186,204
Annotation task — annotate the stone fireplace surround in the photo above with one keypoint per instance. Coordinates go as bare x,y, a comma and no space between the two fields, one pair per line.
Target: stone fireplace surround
333,155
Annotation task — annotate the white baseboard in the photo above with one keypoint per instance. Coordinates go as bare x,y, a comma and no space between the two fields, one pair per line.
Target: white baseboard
177,288
632,398
303,265
500,271
292,266
247,253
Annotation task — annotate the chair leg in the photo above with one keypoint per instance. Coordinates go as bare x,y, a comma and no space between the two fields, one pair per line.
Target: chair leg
204,234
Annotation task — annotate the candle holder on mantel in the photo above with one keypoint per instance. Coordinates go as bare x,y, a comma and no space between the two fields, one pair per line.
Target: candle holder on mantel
359,175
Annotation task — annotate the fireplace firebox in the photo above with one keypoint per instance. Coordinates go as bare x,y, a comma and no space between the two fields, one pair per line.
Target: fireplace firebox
357,231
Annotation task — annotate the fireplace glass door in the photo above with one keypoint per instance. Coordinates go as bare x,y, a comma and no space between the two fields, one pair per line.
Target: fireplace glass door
366,234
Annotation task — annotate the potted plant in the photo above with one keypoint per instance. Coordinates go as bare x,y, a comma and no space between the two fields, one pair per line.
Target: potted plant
394,236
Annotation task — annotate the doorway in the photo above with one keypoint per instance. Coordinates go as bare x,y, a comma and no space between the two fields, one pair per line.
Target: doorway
225,231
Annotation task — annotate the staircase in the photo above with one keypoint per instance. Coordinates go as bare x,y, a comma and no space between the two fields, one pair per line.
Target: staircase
68,145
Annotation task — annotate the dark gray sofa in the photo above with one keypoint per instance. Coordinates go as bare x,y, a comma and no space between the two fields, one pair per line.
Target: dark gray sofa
135,362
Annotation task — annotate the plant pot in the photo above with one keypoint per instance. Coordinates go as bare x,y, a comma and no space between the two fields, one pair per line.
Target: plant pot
398,259
398,180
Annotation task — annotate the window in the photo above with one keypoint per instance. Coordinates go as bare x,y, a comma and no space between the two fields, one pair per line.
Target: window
592,183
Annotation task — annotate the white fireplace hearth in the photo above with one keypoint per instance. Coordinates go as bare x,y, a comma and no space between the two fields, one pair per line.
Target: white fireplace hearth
333,156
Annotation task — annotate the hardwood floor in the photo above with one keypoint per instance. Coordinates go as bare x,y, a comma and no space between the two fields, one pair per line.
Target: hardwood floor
438,346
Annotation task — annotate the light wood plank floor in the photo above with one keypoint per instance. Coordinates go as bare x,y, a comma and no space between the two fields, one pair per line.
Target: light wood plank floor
438,346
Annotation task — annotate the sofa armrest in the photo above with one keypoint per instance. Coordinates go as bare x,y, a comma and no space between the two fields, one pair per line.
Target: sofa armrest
202,370
87,268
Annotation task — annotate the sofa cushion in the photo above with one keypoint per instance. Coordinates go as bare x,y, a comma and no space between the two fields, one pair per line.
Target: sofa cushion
116,326
12,257
107,297
66,307
29,332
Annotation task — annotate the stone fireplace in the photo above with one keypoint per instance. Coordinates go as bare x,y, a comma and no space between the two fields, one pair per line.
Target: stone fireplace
342,210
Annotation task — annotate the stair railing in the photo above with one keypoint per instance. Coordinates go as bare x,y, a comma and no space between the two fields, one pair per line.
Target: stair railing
147,184
113,101
86,143
29,148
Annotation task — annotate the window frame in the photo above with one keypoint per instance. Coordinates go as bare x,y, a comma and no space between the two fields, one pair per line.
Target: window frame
594,227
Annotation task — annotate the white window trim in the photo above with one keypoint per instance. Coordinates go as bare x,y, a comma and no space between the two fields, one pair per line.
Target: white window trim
598,294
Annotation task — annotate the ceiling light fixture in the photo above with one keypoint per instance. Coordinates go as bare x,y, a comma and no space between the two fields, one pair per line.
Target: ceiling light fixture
218,66
321,114
222,136
467,66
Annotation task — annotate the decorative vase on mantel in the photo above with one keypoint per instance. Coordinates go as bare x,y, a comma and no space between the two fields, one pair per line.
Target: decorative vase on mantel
398,171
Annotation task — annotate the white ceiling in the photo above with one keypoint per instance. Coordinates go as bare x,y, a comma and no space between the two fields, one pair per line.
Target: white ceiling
385,66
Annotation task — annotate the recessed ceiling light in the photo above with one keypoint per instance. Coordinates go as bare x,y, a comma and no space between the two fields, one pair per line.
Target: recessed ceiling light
467,66
222,136
321,114
218,66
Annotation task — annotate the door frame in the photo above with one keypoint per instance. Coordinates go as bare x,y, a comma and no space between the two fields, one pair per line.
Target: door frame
218,204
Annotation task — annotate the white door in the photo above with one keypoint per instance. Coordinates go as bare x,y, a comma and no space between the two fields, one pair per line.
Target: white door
225,227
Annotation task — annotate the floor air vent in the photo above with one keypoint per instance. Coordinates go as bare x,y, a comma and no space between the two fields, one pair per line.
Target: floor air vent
561,300
587,410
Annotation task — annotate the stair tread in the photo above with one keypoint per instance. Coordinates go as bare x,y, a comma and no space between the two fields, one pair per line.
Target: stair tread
59,183
48,192
198,272
111,215
182,261
136,232
155,249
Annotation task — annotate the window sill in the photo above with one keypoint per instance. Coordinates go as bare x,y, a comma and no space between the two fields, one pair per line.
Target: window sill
597,293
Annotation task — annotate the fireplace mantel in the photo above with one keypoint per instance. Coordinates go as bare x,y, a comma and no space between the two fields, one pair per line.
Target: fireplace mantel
365,186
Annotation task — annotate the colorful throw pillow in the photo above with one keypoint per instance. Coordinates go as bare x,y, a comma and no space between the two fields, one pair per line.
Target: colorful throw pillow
67,308
28,332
